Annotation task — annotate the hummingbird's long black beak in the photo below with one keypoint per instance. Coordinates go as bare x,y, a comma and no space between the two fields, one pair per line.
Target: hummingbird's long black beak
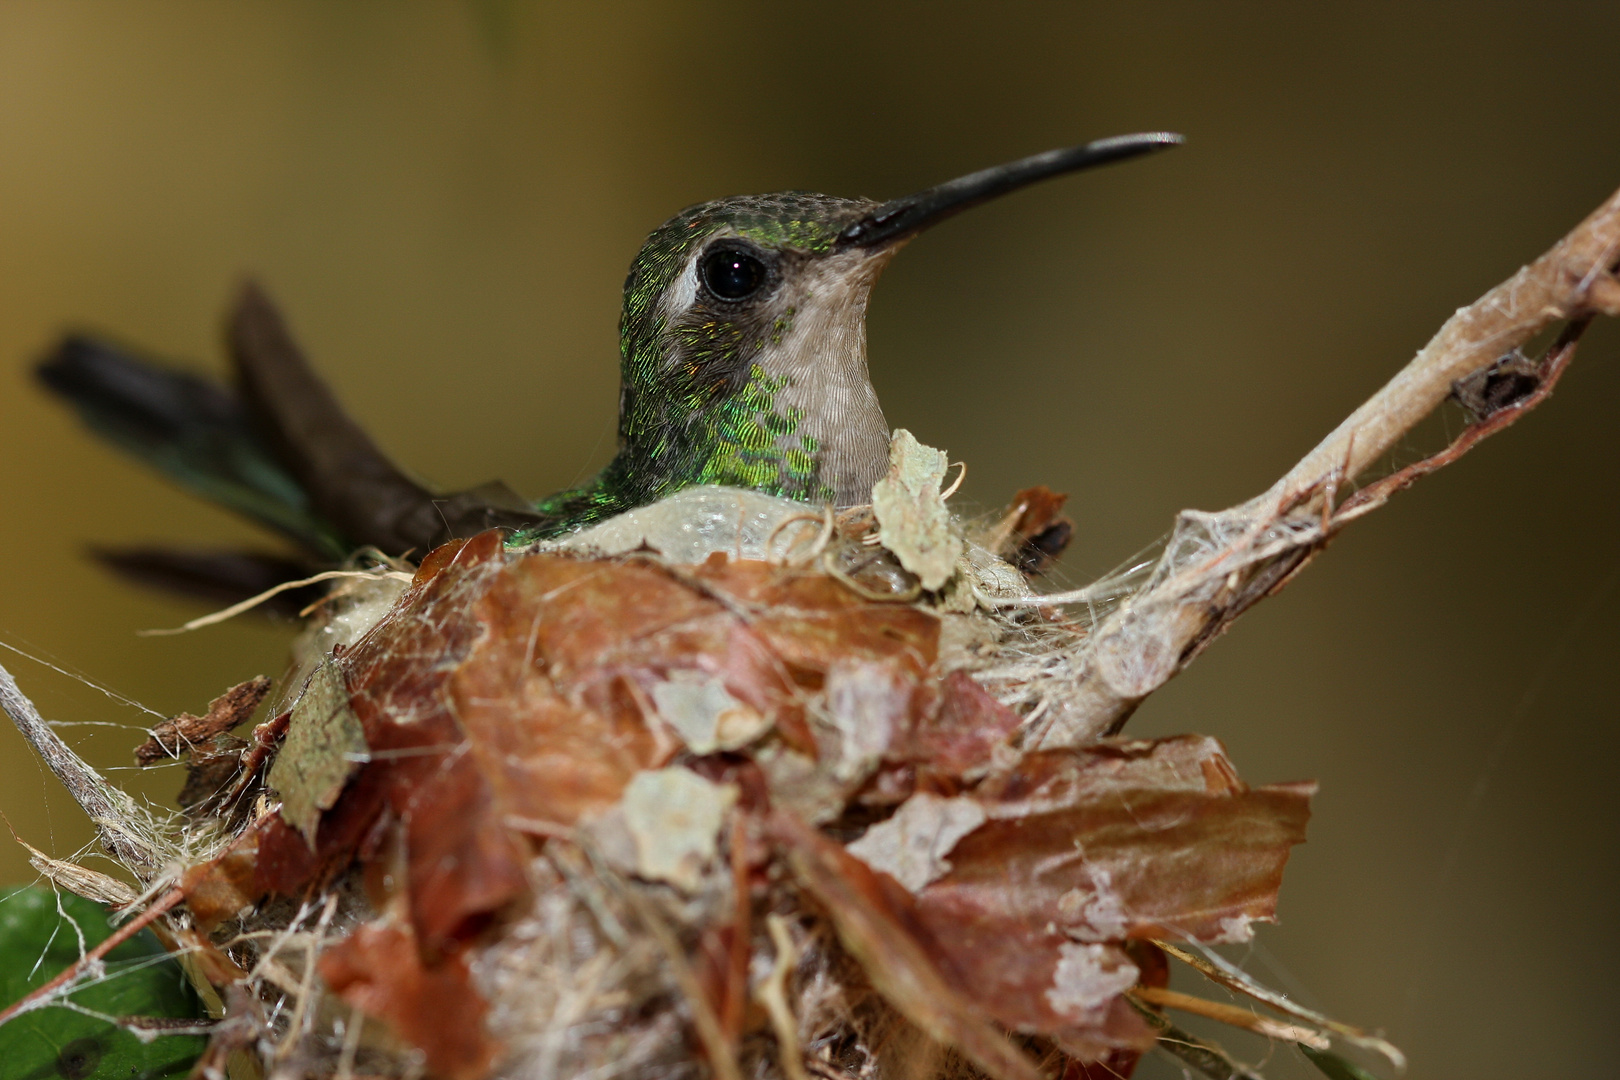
905,217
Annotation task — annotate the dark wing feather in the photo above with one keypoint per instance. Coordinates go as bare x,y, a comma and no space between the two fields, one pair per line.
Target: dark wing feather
348,479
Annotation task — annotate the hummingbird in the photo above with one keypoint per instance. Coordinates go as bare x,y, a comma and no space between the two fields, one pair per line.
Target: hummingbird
742,362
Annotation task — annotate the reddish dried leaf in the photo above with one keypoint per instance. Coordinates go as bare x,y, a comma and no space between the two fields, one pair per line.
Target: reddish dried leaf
1034,534
813,622
1030,978
589,618
1083,849
462,864
871,914
379,970
1125,839
218,889
1034,979
545,697
1086,848
1037,508
272,856
960,735
558,761
285,862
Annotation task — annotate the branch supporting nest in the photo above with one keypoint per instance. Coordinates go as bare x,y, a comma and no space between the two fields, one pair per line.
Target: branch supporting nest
1216,565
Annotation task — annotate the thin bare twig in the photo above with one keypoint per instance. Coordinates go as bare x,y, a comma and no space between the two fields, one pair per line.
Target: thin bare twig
1232,1015
117,938
1548,372
109,808
216,617
1573,279
1213,966
772,994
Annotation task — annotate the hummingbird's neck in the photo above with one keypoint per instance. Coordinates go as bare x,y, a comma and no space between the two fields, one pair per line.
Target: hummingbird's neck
819,362
758,436
820,439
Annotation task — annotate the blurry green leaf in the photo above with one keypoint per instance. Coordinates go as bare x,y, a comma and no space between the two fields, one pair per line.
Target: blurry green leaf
1335,1067
37,941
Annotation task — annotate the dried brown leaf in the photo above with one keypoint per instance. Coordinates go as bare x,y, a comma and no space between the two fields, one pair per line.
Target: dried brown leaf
211,771
960,737
869,913
1121,839
379,969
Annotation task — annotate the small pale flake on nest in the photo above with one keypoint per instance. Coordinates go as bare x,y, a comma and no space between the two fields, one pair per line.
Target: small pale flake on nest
1095,912
674,817
911,846
1088,978
705,714
325,744
865,702
911,511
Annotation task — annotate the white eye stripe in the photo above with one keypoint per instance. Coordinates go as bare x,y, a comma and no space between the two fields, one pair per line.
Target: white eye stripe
679,297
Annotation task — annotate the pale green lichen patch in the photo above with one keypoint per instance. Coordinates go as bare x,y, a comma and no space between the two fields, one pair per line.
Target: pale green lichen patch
911,512
674,816
325,744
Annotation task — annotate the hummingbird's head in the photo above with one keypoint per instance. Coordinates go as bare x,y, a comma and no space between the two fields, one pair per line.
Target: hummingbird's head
744,332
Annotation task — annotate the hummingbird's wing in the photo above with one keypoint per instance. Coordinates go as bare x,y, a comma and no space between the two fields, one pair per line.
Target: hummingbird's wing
280,450
349,481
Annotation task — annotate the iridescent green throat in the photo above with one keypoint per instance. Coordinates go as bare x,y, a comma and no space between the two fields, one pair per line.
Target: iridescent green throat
743,442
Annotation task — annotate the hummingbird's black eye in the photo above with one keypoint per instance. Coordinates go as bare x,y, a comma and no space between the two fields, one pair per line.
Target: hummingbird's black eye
731,274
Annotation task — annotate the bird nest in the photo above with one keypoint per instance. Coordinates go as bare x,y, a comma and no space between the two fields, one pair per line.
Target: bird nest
722,786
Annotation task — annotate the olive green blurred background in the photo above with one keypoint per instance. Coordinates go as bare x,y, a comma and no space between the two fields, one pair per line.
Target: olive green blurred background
445,198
